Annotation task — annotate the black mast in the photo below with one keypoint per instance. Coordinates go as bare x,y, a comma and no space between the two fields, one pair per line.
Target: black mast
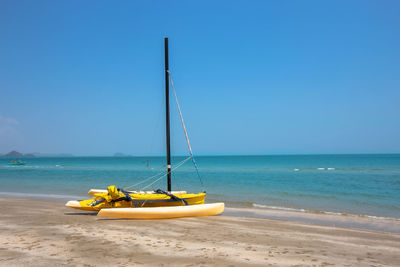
167,113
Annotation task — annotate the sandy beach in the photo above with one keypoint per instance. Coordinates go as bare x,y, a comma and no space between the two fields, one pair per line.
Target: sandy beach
45,233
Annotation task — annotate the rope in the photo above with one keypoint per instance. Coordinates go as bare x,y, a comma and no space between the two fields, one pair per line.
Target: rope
154,176
141,182
173,169
186,134
180,114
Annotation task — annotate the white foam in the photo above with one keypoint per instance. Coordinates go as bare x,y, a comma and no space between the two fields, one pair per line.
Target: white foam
323,212
331,212
259,205
324,169
276,208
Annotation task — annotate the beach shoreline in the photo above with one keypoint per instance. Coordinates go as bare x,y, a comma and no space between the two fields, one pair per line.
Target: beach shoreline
47,233
323,218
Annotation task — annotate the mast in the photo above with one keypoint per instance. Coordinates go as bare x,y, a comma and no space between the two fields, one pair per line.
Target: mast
167,130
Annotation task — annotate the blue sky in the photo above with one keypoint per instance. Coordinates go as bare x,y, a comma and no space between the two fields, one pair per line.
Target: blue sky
253,77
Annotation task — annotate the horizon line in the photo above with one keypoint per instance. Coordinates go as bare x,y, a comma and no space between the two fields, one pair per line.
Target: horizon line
61,155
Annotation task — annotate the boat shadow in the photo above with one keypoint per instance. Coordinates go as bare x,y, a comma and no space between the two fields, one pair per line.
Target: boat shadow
81,213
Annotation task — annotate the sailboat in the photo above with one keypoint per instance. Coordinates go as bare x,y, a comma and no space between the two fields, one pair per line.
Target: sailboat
123,203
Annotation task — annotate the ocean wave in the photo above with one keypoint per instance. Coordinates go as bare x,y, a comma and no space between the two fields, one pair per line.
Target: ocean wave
38,195
255,205
260,206
33,167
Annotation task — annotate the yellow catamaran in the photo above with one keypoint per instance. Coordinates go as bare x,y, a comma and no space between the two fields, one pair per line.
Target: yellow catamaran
121,203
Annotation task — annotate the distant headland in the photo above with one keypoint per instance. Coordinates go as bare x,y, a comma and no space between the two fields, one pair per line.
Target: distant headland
16,154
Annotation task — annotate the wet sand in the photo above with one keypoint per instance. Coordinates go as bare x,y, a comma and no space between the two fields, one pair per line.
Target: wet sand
45,233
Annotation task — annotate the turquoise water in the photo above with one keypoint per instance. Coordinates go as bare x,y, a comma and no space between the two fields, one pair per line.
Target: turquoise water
356,184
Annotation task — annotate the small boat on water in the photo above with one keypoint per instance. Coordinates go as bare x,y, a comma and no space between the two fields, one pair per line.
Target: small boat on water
16,162
158,204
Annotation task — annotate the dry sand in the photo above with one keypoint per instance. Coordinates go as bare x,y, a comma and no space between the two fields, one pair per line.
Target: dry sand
45,233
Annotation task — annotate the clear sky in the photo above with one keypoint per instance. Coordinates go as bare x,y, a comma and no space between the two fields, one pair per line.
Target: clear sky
253,77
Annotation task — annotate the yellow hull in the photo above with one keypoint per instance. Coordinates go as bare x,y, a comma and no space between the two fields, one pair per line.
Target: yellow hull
164,212
140,200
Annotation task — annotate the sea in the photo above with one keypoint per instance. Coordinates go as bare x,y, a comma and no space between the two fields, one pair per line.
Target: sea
362,185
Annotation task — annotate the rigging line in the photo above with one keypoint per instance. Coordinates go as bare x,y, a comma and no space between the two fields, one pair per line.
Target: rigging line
198,174
153,182
180,114
177,166
186,134
151,177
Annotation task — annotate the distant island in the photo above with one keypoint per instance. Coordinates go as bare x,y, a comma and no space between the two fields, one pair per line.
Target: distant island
16,154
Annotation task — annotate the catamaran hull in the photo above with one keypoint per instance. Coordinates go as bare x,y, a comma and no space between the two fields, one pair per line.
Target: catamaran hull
163,212
140,200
